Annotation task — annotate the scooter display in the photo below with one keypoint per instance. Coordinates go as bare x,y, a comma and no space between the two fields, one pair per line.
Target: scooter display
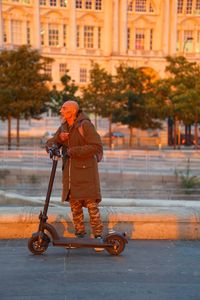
114,243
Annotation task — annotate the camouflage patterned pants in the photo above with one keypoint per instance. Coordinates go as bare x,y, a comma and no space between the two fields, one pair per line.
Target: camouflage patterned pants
78,217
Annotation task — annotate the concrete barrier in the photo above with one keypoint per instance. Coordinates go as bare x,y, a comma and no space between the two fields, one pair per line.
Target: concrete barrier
149,221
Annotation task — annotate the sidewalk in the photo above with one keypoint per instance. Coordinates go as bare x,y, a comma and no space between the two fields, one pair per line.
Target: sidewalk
140,219
146,270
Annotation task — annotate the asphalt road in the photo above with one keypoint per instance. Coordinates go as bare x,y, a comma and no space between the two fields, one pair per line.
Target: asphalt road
146,270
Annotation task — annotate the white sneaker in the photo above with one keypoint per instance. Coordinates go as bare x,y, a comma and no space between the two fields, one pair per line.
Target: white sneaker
99,238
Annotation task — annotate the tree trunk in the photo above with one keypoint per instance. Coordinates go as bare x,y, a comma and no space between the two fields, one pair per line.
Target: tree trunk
179,134
196,131
175,131
9,132
110,131
130,136
95,120
18,138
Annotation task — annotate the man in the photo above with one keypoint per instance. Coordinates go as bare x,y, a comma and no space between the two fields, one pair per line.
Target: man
81,146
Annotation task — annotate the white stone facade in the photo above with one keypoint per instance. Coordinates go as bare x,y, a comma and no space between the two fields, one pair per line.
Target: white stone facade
140,32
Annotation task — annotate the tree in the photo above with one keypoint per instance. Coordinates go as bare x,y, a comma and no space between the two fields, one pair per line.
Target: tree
180,93
98,96
134,93
57,98
23,89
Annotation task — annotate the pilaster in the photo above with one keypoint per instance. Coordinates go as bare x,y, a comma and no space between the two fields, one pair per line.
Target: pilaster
108,25
1,26
173,26
72,26
116,26
37,29
123,26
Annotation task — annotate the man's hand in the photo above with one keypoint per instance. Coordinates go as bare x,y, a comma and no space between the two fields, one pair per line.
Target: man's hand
64,136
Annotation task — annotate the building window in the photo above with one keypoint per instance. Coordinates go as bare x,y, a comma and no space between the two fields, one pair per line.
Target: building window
53,2
178,41
140,5
4,31
151,40
78,36
62,69
53,35
197,4
139,39
98,4
64,35
180,7
16,32
43,2
28,33
99,37
128,37
151,9
197,7
188,41
63,3
88,37
48,69
83,75
88,4
42,32
198,42
130,5
78,3
189,7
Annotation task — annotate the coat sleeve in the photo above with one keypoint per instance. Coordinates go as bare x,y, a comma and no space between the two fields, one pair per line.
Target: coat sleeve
92,146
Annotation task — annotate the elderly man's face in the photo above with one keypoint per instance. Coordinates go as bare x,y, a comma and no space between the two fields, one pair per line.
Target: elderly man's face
68,112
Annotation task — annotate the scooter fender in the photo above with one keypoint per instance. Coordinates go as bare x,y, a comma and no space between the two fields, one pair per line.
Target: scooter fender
51,230
122,235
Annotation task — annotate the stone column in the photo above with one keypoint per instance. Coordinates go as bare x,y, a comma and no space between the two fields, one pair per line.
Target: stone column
123,26
108,24
166,22
72,26
173,26
1,26
116,26
37,29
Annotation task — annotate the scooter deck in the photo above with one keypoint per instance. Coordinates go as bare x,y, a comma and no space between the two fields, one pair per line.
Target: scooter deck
80,243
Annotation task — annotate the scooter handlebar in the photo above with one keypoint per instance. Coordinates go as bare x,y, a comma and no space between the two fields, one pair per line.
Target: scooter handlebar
54,151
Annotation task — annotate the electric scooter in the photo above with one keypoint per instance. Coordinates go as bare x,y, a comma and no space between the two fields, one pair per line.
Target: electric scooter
114,243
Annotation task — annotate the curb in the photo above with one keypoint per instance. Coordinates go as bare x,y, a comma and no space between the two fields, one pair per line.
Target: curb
139,222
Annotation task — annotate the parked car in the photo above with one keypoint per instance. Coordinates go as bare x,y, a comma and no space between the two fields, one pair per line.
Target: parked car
115,134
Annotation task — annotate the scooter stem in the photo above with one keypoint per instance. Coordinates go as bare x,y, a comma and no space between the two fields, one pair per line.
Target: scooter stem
51,180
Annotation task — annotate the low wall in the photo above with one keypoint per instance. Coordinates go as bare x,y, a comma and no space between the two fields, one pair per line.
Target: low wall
152,222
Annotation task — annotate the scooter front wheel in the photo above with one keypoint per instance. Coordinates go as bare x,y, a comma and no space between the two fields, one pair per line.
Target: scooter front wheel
117,242
38,245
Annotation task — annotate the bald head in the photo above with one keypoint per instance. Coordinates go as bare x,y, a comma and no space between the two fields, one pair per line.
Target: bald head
71,105
69,111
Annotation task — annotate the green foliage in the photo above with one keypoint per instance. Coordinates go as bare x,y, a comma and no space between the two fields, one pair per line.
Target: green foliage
98,96
134,91
23,89
180,92
57,98
188,181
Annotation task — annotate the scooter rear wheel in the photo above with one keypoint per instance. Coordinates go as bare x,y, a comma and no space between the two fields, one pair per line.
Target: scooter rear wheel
37,247
117,242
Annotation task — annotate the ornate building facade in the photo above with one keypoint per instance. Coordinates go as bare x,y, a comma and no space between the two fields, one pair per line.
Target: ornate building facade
74,32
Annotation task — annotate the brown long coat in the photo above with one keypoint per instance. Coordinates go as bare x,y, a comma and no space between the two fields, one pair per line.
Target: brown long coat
80,169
